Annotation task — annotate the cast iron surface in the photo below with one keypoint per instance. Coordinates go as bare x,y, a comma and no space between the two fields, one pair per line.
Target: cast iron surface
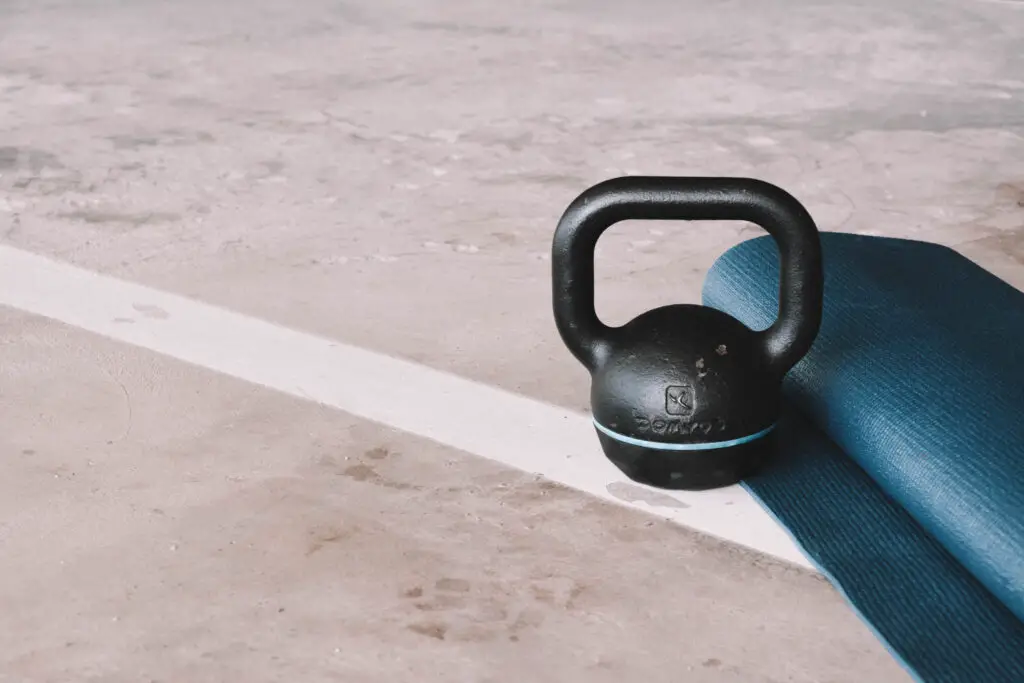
683,396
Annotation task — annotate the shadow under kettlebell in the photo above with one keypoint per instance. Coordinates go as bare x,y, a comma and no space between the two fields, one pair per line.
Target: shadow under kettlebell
686,396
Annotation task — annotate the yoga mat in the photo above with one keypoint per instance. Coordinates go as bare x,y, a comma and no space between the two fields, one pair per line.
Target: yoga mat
901,468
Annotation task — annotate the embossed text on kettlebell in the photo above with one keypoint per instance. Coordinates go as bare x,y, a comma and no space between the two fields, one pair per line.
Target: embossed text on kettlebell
678,427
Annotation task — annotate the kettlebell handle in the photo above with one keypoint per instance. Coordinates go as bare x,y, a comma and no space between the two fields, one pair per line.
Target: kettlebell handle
689,199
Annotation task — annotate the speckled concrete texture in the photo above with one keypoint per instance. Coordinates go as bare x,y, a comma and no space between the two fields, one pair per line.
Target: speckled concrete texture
389,174
164,523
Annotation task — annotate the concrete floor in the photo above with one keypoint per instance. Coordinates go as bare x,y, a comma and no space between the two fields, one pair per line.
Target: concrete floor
342,168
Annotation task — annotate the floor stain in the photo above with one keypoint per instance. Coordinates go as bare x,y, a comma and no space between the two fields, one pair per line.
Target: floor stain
378,453
1008,245
462,29
559,592
455,585
361,473
28,159
327,536
364,473
134,220
430,629
133,141
442,603
505,237
1010,193
150,311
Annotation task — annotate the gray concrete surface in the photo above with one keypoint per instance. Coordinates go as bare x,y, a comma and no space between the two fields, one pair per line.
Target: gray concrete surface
164,523
389,174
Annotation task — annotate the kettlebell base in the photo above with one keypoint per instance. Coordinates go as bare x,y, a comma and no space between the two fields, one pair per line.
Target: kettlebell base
696,470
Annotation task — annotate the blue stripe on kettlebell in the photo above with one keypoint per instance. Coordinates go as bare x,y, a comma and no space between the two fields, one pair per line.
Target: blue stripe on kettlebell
657,445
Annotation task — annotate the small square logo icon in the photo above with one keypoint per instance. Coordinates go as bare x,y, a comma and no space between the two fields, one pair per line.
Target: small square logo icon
679,400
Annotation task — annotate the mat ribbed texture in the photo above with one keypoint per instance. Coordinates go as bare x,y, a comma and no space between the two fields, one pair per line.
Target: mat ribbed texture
911,495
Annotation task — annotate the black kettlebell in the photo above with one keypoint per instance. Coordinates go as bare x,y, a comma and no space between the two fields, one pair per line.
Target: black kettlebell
686,396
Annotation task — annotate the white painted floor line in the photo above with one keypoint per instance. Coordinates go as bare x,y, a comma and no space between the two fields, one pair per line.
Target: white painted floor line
520,432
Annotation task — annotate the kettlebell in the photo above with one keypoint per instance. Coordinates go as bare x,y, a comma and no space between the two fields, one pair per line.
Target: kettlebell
686,396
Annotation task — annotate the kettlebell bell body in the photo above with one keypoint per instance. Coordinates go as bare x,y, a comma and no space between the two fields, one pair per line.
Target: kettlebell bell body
686,396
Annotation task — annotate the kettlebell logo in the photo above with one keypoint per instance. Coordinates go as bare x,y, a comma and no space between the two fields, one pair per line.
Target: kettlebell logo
680,400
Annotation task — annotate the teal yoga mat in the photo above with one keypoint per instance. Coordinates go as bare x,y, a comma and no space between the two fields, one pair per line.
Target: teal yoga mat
901,467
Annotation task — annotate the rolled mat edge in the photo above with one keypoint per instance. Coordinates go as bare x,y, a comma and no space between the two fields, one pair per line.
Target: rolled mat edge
916,377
